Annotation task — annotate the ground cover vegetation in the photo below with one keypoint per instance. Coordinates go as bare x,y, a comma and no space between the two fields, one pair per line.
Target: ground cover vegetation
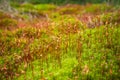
60,42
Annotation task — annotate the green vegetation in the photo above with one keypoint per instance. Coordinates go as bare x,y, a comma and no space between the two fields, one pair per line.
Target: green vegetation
62,2
59,2
51,42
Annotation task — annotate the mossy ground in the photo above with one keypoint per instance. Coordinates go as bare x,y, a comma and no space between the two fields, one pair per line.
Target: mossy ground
71,42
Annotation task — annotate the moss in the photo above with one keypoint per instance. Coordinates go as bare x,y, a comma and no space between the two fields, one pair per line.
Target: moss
3,15
28,32
70,9
45,7
113,17
97,8
7,22
27,5
15,4
62,47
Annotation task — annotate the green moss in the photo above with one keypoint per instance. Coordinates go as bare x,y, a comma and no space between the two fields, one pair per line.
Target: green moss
112,17
45,7
15,4
3,15
96,8
7,22
65,50
27,6
28,32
